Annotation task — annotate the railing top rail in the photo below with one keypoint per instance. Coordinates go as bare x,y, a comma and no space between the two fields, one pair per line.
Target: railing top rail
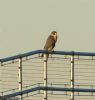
44,51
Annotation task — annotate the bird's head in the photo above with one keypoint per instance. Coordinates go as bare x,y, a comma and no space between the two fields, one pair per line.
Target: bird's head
54,34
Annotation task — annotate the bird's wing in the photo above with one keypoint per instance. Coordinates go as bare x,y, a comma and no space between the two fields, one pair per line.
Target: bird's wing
50,43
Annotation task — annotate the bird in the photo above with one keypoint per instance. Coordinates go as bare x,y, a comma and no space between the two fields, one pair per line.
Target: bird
50,42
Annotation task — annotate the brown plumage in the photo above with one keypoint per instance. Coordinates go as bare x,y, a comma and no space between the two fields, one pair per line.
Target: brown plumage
51,41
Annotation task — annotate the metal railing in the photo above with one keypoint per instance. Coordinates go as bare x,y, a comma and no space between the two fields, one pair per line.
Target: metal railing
72,72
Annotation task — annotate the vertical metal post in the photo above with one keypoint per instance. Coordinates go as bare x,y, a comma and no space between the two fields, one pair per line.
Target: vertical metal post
20,76
72,77
45,76
1,78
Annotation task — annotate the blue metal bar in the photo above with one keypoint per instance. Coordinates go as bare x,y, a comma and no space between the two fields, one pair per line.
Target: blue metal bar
20,56
21,92
49,89
66,89
44,51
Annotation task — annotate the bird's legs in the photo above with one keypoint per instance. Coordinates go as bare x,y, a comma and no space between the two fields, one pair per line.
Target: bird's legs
51,51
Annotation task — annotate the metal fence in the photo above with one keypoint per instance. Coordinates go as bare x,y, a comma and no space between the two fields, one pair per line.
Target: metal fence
64,75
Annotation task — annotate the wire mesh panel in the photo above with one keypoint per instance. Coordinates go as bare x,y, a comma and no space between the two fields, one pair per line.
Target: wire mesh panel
85,77
27,74
32,71
58,76
9,76
59,70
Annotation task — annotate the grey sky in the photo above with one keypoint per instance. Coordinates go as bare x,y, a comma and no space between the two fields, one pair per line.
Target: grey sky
25,25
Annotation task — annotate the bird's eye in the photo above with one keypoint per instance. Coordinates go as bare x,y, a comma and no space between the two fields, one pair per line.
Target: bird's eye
54,33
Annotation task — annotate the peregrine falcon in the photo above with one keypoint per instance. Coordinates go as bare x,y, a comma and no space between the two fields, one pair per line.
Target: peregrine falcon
50,43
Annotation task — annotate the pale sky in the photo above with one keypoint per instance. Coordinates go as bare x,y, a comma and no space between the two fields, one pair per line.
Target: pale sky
26,24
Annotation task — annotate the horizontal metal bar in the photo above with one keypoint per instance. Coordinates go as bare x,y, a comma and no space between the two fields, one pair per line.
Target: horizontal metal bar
20,56
49,89
44,51
21,92
67,89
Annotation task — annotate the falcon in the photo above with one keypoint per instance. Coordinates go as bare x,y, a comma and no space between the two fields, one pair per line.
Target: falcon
51,41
